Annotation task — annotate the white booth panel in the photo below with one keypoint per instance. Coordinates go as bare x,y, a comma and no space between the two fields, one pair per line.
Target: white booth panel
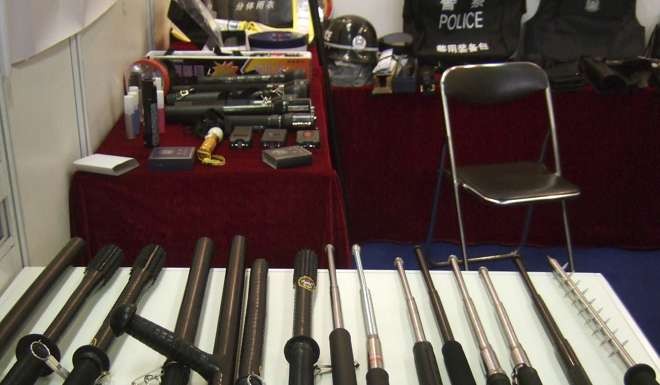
107,48
44,137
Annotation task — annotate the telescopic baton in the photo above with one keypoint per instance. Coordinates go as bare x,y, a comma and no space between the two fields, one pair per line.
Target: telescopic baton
91,361
637,373
37,354
456,363
249,368
494,373
289,88
572,367
283,77
301,351
341,349
177,373
523,372
425,362
13,320
376,374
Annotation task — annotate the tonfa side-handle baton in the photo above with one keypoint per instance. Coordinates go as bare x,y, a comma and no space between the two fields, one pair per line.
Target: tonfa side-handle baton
425,362
376,374
38,354
341,349
301,350
456,363
523,372
494,373
177,373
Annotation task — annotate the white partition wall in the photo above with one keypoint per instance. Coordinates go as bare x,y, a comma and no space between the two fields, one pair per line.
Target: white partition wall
60,104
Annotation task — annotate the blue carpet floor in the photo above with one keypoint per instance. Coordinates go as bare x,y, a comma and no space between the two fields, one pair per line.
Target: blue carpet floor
632,274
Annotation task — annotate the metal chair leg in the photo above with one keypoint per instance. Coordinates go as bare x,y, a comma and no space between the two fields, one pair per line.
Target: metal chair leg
525,231
436,199
567,231
459,214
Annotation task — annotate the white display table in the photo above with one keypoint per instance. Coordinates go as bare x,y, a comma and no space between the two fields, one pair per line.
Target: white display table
130,359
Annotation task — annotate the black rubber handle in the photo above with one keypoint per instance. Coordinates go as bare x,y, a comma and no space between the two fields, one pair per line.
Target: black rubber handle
175,373
161,340
28,368
89,363
577,375
498,379
341,356
426,364
526,375
377,376
301,352
640,374
457,364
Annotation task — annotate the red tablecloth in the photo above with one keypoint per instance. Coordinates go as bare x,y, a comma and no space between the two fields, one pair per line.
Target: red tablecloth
279,211
609,147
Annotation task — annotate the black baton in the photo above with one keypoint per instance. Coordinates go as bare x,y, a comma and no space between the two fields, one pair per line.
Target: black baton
249,369
37,354
301,351
90,361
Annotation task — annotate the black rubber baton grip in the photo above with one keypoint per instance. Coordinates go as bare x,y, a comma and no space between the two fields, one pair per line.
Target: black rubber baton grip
377,376
341,356
526,375
28,368
163,341
640,374
301,352
426,364
498,379
577,376
89,363
457,364
175,373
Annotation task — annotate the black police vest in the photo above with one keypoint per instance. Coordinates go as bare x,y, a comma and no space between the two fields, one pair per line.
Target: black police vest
464,31
562,31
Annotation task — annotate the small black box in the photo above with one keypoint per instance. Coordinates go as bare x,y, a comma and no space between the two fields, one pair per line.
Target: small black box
273,138
171,158
285,157
308,138
241,137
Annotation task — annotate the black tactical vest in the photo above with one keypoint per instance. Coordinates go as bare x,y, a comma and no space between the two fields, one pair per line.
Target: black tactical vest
562,31
463,31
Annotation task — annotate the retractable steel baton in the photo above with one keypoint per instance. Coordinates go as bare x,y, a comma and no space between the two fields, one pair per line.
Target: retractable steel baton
456,363
425,362
523,372
376,374
341,349
495,375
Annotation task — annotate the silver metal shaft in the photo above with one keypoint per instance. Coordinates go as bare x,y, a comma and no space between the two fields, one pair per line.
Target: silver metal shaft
518,354
335,300
415,320
374,349
491,363
586,306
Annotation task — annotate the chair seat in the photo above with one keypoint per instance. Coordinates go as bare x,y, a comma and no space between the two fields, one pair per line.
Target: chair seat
515,183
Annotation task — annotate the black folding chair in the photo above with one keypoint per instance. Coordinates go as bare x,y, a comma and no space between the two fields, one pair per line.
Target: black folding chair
501,184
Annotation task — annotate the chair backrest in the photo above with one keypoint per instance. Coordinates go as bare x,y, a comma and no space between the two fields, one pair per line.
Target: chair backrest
493,83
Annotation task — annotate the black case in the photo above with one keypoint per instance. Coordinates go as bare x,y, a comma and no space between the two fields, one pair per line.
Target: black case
286,157
171,158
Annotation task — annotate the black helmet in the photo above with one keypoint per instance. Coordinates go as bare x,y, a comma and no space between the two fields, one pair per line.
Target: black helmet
351,39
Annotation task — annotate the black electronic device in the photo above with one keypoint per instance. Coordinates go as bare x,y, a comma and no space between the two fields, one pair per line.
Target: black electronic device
286,157
273,138
308,138
241,137
173,158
